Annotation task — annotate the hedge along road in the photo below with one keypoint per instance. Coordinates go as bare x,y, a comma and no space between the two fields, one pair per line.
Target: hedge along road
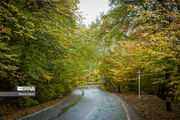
88,103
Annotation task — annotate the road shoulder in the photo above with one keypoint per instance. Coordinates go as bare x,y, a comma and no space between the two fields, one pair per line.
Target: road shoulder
131,113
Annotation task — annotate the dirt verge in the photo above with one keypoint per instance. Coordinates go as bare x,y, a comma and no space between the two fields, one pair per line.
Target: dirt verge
14,112
151,107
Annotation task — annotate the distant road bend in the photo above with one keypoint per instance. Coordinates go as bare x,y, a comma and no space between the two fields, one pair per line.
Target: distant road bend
87,103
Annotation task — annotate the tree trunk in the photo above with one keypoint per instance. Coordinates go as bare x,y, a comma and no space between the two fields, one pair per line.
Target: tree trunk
119,89
168,99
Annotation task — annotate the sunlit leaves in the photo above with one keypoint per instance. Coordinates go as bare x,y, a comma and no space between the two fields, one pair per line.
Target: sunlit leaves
151,43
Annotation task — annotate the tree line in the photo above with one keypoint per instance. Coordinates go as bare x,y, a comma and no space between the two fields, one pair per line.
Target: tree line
141,34
42,45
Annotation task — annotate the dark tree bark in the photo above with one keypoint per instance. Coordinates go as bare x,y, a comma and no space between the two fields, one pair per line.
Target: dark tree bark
168,99
119,88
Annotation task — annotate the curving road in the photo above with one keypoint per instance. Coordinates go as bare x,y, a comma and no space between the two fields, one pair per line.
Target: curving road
88,103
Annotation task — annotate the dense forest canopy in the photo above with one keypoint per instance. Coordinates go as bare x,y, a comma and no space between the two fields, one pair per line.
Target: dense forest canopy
43,44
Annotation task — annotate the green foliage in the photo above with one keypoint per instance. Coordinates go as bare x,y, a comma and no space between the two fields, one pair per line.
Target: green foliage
26,101
42,45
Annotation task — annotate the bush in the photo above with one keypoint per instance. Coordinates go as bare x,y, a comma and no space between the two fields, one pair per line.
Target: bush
45,93
26,101
59,90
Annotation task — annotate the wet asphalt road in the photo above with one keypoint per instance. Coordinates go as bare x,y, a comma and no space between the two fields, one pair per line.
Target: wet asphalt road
95,105
86,103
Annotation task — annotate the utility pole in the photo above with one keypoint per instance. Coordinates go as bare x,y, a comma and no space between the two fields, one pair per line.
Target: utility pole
139,83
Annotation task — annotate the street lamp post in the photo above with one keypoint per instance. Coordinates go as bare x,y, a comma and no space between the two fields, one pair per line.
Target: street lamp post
139,83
